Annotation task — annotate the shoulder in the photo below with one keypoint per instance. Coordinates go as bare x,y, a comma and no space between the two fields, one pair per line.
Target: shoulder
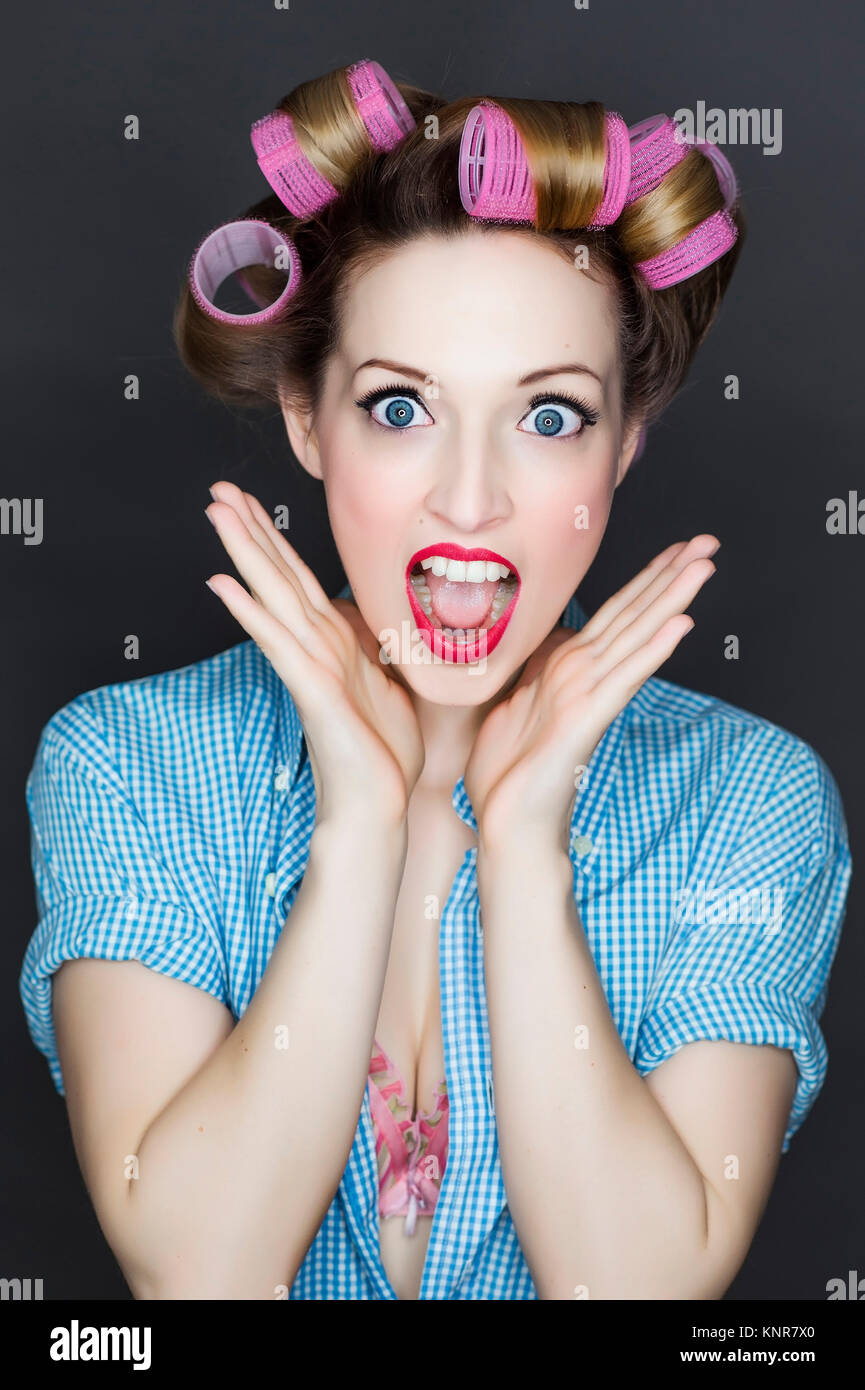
212,710
731,763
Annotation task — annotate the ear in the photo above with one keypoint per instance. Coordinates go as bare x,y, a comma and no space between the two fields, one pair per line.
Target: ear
301,436
628,449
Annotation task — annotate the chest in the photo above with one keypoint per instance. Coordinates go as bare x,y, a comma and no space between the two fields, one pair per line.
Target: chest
409,1021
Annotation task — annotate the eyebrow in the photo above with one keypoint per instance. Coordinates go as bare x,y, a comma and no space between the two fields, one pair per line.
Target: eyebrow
574,367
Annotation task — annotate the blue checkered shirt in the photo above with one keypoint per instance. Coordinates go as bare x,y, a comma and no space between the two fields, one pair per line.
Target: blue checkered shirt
171,818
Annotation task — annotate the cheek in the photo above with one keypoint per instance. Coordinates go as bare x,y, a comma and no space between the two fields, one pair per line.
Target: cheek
370,513
566,523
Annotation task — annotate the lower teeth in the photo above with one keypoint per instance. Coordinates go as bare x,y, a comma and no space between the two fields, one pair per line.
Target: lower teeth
503,596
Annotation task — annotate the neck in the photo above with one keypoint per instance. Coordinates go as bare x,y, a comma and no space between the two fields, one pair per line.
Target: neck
449,733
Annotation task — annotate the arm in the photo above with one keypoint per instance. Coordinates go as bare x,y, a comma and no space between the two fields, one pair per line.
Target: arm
615,1183
240,1143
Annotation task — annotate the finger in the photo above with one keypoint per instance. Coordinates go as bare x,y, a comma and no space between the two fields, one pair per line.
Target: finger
314,592
698,547
348,613
275,641
559,638
614,605
643,628
233,496
624,680
271,587
272,541
241,503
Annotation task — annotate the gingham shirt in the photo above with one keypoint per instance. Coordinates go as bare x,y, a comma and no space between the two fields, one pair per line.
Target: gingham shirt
171,818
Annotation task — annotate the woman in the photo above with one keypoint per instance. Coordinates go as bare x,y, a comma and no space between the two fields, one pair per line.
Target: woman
508,956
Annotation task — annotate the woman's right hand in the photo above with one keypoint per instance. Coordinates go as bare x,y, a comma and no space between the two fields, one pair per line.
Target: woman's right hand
364,742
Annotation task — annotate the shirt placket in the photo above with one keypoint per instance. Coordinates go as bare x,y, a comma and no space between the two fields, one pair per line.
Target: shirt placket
472,1193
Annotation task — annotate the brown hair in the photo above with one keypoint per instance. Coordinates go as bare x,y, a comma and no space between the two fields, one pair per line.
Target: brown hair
387,199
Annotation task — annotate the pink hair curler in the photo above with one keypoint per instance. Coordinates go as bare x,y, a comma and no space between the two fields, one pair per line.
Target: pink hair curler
657,145
495,181
705,244
494,178
380,104
229,249
617,171
292,176
723,169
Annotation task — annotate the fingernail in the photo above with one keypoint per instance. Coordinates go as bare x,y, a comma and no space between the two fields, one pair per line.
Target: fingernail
209,518
212,493
210,586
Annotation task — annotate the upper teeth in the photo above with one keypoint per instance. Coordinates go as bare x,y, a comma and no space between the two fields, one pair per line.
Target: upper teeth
467,571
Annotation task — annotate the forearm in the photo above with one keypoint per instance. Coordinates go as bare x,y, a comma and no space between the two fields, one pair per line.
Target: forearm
604,1195
238,1171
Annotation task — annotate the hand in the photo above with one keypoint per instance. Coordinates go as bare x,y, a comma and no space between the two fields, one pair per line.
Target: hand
521,775
364,742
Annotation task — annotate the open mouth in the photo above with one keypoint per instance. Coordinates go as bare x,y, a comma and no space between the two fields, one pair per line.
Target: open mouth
461,600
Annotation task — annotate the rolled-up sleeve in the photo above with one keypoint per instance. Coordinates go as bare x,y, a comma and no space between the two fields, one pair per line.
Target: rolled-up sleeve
104,881
753,943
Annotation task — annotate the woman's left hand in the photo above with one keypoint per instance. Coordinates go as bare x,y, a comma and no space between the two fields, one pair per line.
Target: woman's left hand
525,767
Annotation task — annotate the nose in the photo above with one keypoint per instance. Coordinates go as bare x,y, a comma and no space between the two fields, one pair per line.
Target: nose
470,492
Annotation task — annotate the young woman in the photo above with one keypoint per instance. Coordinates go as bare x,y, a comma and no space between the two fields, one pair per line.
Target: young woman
507,956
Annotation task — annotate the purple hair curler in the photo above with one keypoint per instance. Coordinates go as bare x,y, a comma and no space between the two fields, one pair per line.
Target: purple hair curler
232,247
292,176
495,181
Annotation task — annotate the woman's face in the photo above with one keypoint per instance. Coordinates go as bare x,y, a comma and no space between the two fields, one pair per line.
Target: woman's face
473,459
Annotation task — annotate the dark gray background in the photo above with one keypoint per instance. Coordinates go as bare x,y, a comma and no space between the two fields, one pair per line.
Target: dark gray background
98,234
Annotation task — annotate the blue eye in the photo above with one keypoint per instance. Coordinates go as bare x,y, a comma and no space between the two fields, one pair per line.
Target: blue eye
400,412
555,416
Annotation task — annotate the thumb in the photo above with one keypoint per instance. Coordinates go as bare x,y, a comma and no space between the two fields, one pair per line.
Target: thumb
538,659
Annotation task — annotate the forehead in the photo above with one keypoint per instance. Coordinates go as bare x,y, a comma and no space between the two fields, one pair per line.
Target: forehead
480,306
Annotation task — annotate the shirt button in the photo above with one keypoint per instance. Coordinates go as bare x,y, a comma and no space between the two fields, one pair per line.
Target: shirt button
280,781
581,845
270,885
491,1095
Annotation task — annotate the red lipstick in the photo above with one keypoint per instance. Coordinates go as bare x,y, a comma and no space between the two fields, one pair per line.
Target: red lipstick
463,650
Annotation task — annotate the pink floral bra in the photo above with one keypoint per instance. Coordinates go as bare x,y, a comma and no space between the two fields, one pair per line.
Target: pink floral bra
411,1154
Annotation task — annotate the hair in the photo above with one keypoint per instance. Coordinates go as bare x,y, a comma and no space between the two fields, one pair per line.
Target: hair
389,198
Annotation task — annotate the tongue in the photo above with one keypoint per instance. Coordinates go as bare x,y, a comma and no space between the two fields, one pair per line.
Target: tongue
458,604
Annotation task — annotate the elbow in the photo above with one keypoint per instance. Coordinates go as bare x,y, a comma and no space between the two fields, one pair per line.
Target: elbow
166,1260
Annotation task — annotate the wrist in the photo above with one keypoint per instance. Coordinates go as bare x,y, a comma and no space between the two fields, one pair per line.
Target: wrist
536,849
520,840
360,830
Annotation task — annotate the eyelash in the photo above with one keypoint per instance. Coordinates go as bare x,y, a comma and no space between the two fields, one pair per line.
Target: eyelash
586,412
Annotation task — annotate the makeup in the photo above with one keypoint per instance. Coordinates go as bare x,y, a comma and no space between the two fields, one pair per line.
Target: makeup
462,600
